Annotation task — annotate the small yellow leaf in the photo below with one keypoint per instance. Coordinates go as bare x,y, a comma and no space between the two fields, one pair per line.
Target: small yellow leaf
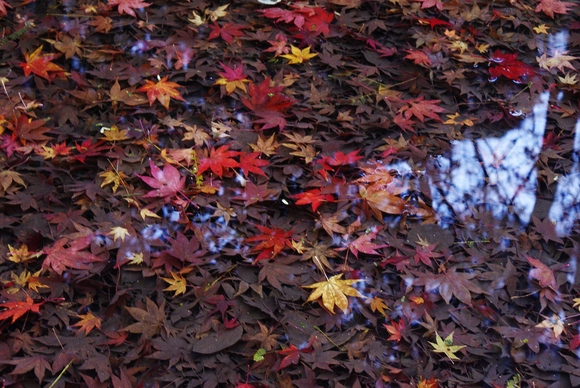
378,304
334,292
554,323
114,134
298,56
575,300
136,258
118,232
541,29
148,213
113,177
21,255
177,284
446,346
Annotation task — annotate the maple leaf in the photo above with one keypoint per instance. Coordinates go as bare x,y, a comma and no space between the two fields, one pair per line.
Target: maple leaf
60,258
21,255
446,346
550,7
424,254
268,103
17,309
3,10
509,67
319,253
395,330
334,292
542,273
450,283
177,283
292,353
217,160
118,232
162,90
150,321
227,32
378,304
558,60
298,56
114,134
431,383
7,178
167,182
554,323
272,241
41,65
331,224
128,6
279,45
421,109
251,162
232,78
26,364
266,146
113,177
26,129
314,197
87,323
419,58
431,3
363,244
55,150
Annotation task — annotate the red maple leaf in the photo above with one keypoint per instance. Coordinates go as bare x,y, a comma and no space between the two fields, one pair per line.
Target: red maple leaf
509,67
3,10
314,197
251,162
420,109
268,103
363,244
167,182
128,6
425,254
419,58
17,309
312,19
87,148
272,241
60,258
550,7
227,31
41,65
395,330
292,353
218,160
433,22
341,159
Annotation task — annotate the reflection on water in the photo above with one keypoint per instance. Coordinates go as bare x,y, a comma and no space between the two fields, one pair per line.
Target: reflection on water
498,172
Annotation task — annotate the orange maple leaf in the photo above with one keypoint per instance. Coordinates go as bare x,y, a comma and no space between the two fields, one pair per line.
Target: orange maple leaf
88,322
163,91
41,65
19,308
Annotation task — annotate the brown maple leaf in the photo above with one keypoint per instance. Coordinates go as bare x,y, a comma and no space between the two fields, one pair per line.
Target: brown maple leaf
150,321
550,7
542,273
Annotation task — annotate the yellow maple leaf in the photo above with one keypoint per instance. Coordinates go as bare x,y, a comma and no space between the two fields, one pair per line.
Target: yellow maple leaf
177,284
334,292
147,213
568,79
541,29
118,232
575,300
113,177
378,304
21,255
298,56
136,258
446,346
114,134
554,323
88,322
217,13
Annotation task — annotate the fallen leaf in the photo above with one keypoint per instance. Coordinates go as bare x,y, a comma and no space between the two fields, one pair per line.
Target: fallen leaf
446,346
334,292
87,323
163,91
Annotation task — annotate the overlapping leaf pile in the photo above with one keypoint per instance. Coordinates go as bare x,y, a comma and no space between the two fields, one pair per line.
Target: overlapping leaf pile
206,194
